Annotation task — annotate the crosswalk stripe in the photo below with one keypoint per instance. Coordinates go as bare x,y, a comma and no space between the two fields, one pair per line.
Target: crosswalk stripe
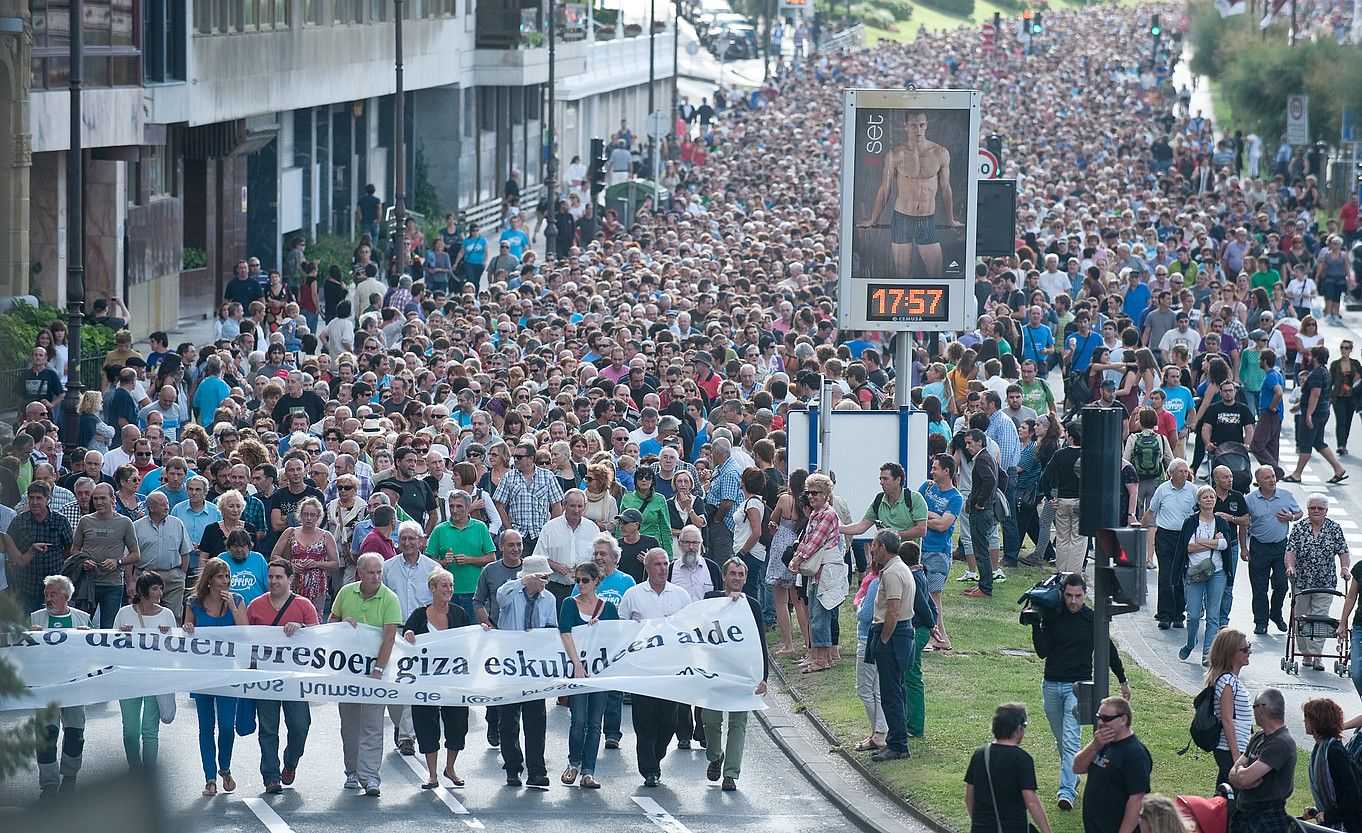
263,811
454,805
659,816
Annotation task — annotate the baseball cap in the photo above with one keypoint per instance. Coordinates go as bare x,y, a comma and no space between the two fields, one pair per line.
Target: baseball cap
630,516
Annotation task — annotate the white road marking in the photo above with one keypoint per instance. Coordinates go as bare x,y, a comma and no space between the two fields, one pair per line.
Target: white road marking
659,816
266,814
454,805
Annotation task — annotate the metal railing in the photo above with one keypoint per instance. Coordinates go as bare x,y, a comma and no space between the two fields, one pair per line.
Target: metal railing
91,374
487,214
846,39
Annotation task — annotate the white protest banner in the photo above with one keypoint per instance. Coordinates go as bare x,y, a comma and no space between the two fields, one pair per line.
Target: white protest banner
708,654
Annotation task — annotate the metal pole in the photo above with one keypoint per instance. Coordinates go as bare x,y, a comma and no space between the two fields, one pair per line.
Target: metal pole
652,83
1101,640
766,40
551,167
903,369
676,75
399,245
75,233
1291,38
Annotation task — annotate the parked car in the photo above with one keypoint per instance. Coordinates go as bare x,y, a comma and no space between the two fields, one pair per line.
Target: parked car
734,42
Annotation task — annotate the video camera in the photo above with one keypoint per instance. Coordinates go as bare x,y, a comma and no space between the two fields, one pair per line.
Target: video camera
1045,595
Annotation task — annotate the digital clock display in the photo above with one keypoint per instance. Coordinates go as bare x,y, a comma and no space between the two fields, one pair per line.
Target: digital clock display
918,302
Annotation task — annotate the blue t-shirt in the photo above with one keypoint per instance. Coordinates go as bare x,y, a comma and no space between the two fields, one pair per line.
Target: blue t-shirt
1272,379
519,240
1179,403
612,587
1137,298
248,577
941,503
474,250
209,395
121,405
1037,342
1082,350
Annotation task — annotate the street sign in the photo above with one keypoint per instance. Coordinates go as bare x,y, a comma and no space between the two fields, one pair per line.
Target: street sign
988,164
1348,124
656,124
692,49
909,205
1298,119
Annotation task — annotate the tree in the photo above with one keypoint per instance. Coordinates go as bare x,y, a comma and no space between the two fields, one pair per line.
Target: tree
17,743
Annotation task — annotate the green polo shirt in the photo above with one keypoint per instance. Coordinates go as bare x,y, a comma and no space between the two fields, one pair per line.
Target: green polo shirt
905,514
473,540
380,609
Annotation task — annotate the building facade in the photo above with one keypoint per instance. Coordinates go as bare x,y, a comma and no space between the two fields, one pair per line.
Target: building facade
221,129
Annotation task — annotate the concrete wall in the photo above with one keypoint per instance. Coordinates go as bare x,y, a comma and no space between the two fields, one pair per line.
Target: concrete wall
111,118
15,148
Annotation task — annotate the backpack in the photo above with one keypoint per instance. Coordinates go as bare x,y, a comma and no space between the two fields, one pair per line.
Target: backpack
768,530
1206,729
1146,456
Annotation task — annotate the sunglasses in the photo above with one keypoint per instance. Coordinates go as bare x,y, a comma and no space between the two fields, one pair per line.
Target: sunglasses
1107,718
346,488
475,454
584,580
520,456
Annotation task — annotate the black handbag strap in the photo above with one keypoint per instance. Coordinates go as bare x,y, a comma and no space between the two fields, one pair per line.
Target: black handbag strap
992,791
284,609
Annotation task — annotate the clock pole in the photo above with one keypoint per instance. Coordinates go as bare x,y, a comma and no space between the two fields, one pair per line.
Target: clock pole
903,368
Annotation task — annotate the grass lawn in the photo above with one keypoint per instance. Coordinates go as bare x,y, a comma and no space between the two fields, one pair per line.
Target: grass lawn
965,686
936,20
1220,111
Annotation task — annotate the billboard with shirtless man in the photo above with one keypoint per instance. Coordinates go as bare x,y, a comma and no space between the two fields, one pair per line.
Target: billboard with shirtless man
909,182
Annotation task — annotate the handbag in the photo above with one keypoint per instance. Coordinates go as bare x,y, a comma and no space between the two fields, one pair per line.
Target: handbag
1200,572
165,703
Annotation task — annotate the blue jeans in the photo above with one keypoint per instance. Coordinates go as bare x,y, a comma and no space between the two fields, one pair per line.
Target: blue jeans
614,709
820,620
584,735
1355,667
1060,703
1231,567
1204,596
110,599
759,589
297,719
891,661
215,713
465,601
1011,535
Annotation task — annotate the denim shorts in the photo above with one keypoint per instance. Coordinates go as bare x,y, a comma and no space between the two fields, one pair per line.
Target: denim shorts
937,565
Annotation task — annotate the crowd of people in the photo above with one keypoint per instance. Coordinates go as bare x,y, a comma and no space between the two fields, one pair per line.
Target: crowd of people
530,439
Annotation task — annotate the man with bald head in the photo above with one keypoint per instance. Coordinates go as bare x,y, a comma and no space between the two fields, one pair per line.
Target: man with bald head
173,413
109,546
165,548
128,437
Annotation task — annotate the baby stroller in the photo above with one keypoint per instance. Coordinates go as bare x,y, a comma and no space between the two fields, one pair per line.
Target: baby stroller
1319,628
1210,815
1235,457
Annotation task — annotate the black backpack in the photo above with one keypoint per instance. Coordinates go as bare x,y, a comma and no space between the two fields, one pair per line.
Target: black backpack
1206,729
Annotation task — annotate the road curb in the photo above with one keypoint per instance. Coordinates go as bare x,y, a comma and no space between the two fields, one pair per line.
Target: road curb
810,766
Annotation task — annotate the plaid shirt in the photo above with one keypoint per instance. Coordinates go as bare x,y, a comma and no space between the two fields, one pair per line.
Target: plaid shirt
528,505
726,484
255,513
54,530
366,488
821,532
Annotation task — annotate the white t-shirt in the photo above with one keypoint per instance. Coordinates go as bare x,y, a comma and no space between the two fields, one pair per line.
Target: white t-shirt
742,527
128,615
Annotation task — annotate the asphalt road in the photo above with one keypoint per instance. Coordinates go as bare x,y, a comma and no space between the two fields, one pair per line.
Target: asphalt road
772,795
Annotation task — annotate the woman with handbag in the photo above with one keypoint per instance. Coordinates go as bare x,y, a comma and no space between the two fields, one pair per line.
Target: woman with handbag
819,558
1205,539
142,716
1346,374
785,517
1000,783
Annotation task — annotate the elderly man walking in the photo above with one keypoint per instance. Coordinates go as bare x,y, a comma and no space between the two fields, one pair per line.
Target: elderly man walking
1172,504
1271,512
1316,557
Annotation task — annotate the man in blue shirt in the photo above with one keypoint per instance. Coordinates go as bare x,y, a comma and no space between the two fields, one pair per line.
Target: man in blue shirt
944,505
1178,401
1037,340
1078,351
1271,410
1137,293
1271,513
516,237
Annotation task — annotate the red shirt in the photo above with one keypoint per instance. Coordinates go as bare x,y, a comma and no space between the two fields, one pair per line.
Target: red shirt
1168,426
261,612
1347,215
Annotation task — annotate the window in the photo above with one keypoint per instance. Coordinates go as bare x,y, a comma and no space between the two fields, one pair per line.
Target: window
112,48
163,58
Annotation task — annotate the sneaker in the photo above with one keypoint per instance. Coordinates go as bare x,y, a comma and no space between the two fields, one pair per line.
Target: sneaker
715,769
493,736
513,779
372,789
969,576
650,780
1184,652
274,788
1065,803
352,781
1031,560
287,776
407,747
999,575
537,782
730,785
887,754
612,743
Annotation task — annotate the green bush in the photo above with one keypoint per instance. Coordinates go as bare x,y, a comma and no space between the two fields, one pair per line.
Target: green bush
958,8
330,250
873,15
1256,74
900,9
19,328
193,258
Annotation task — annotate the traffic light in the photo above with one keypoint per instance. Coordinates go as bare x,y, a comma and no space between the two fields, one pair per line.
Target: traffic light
1119,569
1155,30
1037,27
596,169
1026,23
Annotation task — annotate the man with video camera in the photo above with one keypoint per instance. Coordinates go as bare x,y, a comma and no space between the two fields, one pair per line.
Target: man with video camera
1062,636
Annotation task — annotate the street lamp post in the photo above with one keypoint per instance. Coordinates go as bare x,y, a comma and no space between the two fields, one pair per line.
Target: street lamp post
75,231
652,76
551,164
676,74
399,242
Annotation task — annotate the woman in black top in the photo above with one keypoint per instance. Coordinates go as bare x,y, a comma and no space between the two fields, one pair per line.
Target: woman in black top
439,615
1000,783
1333,780
334,291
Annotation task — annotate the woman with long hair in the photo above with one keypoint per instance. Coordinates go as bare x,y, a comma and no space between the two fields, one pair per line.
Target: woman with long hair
1217,373
427,721
936,421
94,434
1230,654
1160,814
213,604
1334,782
142,715
588,710
787,518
